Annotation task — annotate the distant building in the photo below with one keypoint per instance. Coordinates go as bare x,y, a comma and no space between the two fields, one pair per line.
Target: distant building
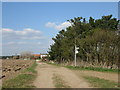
40,56
43,56
36,56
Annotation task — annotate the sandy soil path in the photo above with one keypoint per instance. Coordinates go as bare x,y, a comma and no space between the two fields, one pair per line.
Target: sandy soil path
46,72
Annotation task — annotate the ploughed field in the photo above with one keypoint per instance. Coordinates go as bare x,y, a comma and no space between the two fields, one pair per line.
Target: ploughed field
10,68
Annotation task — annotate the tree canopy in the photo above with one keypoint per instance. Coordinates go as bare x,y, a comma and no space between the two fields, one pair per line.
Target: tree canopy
98,41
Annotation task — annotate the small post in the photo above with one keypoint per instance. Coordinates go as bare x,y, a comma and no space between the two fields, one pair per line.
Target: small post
75,53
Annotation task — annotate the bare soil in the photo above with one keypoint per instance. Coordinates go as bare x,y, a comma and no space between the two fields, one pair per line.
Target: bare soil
11,68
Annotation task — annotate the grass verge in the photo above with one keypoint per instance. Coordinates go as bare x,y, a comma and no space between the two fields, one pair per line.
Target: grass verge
100,83
93,68
100,69
23,80
59,83
32,68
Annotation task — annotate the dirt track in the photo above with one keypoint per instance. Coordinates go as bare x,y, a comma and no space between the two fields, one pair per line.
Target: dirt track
46,73
72,78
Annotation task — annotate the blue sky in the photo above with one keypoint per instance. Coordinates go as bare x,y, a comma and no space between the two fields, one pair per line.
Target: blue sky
22,21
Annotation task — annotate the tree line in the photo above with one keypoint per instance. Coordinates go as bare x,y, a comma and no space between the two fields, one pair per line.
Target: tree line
98,41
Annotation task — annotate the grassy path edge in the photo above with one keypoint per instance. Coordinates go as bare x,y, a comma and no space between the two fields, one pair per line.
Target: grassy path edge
99,69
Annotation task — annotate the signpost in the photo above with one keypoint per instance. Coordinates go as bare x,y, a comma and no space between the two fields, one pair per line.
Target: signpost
76,51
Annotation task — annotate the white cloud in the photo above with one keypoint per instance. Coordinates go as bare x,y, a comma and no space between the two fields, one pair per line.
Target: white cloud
61,26
22,32
22,42
50,24
14,41
32,38
11,43
28,34
39,43
27,31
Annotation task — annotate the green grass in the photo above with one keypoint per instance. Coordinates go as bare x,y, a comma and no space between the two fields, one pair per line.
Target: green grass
59,83
18,82
93,68
23,80
100,69
100,83
32,68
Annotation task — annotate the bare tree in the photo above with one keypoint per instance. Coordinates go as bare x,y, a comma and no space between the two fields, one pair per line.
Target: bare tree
26,54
